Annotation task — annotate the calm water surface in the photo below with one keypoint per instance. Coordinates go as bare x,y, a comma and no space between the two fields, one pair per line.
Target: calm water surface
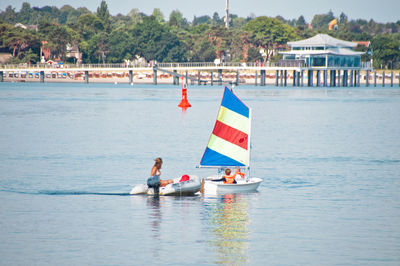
69,153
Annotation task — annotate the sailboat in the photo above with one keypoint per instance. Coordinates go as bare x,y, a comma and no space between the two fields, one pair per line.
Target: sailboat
229,147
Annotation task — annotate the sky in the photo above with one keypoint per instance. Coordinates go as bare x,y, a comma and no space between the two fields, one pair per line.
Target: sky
381,11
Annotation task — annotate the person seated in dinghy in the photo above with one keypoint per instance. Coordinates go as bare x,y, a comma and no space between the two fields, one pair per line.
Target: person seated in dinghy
238,173
227,178
155,175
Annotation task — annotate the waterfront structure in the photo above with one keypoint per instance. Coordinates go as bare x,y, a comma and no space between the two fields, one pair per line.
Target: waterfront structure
324,51
318,61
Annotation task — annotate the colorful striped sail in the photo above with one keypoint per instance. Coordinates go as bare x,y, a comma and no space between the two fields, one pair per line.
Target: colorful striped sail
229,144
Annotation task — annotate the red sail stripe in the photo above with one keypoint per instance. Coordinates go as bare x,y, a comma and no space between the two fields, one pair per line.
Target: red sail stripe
230,134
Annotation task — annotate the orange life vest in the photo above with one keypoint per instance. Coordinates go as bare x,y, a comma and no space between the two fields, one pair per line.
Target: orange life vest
240,173
229,179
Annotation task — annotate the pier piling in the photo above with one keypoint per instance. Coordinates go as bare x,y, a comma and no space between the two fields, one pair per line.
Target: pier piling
391,79
351,78
262,81
294,78
309,78
219,77
155,76
198,77
212,78
41,76
383,79
255,78
367,78
175,79
298,79
277,78
86,76
130,76
302,78
285,78
1,76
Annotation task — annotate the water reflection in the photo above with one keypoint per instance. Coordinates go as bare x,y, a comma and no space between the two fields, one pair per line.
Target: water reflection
155,215
229,220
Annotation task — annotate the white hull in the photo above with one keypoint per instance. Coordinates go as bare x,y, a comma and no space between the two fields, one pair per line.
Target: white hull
212,187
189,187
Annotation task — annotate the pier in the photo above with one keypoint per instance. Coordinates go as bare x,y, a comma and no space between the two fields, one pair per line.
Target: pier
284,74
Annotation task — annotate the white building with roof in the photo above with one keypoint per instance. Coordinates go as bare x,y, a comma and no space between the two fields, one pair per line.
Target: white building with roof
324,51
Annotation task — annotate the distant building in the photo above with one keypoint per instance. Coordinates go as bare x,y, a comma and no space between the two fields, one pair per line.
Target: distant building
73,52
324,51
367,44
45,52
26,27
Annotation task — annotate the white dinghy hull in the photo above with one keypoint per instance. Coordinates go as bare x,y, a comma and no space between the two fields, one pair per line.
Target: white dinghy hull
190,187
212,187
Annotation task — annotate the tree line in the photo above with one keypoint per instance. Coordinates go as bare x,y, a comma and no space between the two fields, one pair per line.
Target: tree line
103,38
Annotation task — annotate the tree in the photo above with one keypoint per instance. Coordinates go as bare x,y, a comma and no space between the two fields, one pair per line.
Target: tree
154,41
104,15
9,15
268,33
321,21
25,14
201,20
343,18
158,15
386,51
89,25
121,46
217,20
57,36
301,21
136,16
176,19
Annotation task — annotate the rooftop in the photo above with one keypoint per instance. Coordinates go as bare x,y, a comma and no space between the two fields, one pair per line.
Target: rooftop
322,40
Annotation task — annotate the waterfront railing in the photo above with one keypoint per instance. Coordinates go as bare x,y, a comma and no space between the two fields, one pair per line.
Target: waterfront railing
279,64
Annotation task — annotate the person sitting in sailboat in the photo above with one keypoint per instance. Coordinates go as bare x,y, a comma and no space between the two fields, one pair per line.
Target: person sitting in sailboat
237,172
227,178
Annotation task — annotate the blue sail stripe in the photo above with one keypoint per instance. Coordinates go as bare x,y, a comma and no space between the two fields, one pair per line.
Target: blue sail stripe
213,158
233,103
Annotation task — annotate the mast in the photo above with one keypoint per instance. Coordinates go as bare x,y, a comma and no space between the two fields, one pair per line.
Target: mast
249,141
227,14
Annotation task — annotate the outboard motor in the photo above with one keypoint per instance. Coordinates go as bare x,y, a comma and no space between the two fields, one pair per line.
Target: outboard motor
154,182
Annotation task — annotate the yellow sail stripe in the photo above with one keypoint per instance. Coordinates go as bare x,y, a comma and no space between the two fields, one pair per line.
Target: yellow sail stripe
234,119
228,149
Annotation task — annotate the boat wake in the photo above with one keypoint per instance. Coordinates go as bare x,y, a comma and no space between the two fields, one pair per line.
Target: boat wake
67,192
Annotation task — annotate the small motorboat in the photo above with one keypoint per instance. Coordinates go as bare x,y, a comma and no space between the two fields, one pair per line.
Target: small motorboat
177,188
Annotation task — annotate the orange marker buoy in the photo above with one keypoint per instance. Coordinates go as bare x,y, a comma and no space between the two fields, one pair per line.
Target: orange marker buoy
184,102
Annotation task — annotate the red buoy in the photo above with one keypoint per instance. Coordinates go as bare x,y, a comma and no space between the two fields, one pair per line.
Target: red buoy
184,102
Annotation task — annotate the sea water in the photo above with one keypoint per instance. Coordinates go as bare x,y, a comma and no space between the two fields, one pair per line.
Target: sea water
69,154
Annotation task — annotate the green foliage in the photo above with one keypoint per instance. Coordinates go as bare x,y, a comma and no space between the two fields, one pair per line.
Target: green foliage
269,32
321,21
104,15
102,37
386,51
